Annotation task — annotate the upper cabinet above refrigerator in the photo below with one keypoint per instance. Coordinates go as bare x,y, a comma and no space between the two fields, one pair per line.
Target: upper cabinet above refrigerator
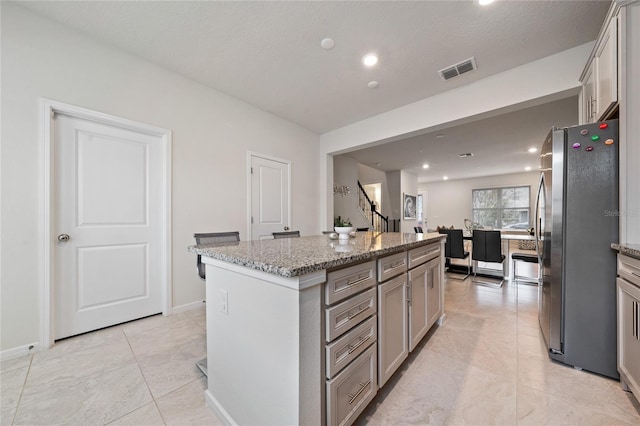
599,94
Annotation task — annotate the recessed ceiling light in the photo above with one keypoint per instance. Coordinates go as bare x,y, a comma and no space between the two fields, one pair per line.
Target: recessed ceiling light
327,43
485,2
370,60
425,166
528,168
445,177
373,84
532,150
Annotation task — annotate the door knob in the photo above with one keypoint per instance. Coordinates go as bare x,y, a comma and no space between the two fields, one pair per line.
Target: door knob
63,238
286,228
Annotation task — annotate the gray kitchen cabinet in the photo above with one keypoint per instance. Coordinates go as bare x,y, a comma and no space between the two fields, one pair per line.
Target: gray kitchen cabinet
425,302
628,289
393,316
434,305
600,77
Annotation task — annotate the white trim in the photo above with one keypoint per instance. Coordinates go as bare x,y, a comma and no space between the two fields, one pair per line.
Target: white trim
188,307
19,351
218,409
45,264
250,155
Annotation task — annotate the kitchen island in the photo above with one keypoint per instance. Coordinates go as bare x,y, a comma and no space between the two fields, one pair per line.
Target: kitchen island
299,330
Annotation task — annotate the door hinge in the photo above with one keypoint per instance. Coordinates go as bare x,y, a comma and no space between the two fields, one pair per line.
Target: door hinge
251,170
252,220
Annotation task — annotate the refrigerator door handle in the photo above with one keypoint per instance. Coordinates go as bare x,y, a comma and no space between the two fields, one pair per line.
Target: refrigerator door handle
538,225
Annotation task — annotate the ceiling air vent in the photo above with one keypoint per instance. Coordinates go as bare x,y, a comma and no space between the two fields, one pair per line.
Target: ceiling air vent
457,69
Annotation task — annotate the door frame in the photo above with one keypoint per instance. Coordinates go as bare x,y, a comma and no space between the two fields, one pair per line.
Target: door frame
250,155
46,266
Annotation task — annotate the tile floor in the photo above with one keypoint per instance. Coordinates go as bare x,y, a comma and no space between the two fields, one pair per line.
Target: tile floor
485,366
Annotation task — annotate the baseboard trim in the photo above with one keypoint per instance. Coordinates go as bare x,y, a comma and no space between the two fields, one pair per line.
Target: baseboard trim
187,307
19,351
220,412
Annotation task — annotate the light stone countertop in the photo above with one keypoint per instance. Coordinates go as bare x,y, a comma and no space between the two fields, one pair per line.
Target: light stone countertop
290,257
632,250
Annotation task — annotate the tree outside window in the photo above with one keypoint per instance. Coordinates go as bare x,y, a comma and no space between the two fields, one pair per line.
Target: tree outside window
501,208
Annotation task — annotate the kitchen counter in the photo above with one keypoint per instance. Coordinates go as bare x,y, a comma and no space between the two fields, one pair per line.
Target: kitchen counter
268,314
291,257
632,250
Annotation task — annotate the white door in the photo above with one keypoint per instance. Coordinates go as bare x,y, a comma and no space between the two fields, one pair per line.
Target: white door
108,224
270,188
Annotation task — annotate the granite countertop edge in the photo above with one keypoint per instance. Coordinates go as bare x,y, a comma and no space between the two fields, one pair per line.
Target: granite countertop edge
312,266
632,250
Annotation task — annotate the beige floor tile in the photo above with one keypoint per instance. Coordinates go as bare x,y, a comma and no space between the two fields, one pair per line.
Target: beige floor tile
187,406
159,321
11,385
96,399
147,415
81,364
15,363
175,366
80,343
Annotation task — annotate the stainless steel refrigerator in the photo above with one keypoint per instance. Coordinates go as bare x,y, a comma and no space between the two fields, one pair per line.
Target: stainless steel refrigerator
576,222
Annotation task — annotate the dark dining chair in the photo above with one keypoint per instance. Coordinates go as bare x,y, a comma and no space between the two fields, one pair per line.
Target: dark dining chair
211,238
527,258
454,249
487,247
418,229
288,234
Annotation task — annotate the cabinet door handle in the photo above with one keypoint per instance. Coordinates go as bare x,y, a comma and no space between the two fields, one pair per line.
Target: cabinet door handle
363,386
636,321
409,292
360,343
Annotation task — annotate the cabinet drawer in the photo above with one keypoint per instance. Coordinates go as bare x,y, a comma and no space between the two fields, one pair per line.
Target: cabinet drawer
346,315
344,350
345,282
629,269
420,255
351,391
392,265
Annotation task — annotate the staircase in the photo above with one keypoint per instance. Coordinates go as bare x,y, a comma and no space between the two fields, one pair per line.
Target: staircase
369,210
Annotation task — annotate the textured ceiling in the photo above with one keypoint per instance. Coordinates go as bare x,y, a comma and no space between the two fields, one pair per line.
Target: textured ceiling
268,53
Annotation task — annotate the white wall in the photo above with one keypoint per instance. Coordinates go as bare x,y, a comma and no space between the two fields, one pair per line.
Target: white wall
449,202
345,172
211,136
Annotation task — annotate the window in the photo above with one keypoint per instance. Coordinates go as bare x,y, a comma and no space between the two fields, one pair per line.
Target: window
501,208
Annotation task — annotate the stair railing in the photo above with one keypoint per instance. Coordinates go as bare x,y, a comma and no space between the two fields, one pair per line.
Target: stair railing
379,223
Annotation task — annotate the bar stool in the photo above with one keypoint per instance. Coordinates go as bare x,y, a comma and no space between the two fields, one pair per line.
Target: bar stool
524,257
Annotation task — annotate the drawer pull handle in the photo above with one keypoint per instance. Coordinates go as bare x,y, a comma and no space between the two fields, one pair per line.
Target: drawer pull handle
360,343
363,386
357,280
361,309
394,265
